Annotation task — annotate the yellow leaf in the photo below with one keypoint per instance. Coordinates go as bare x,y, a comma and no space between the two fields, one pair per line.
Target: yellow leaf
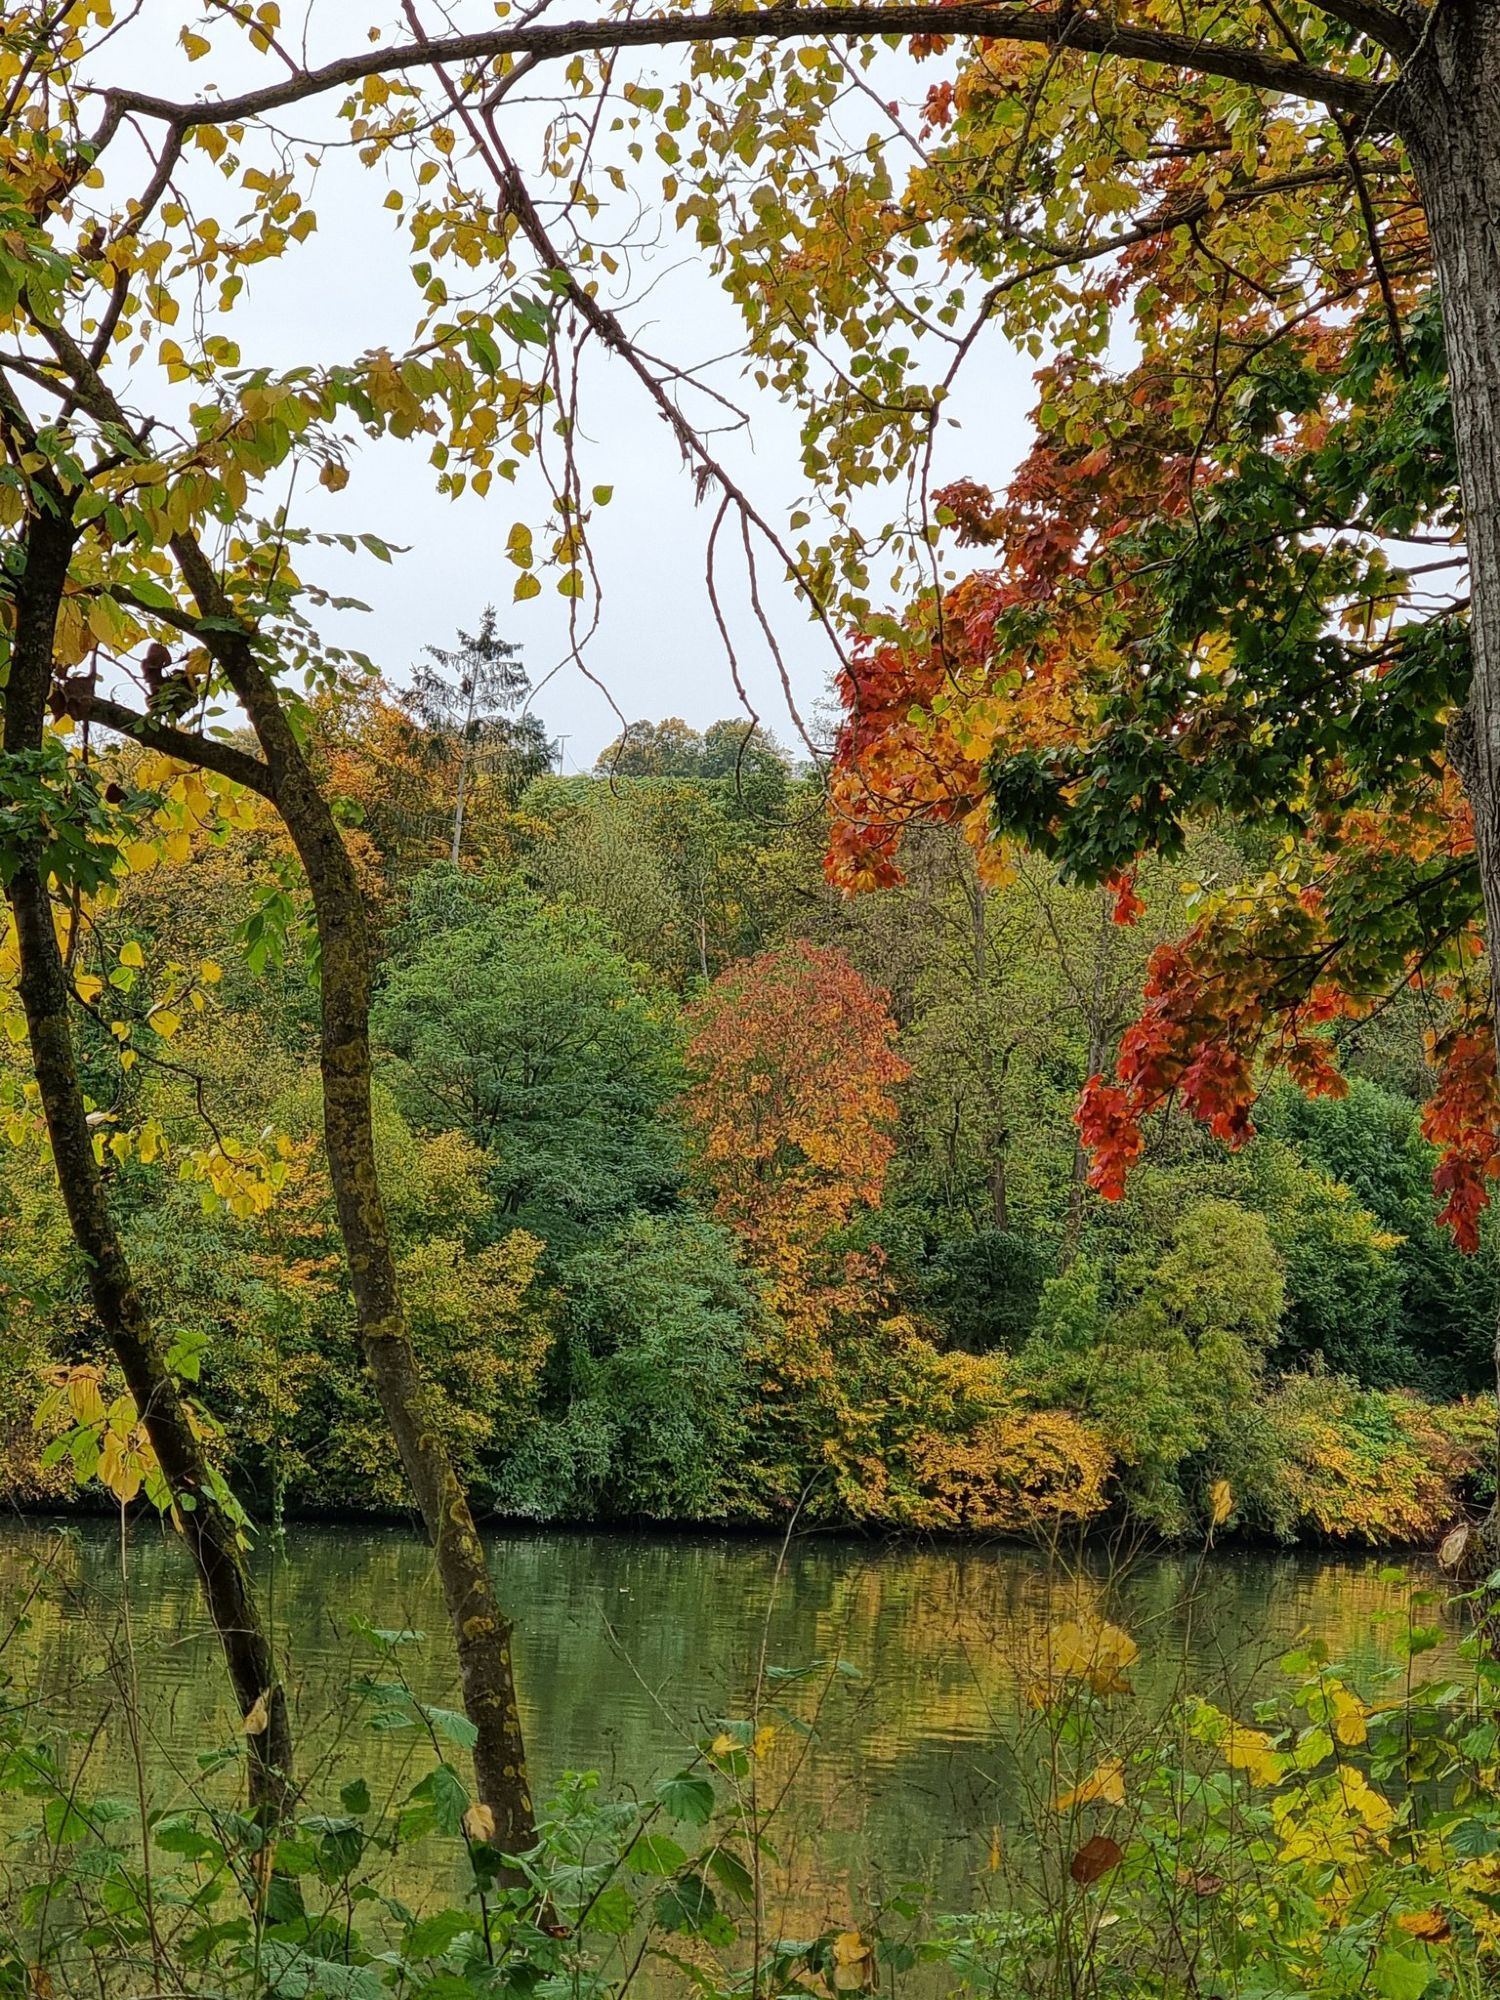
1348,1717
1431,1926
164,1021
1220,1503
1249,1750
1093,1651
853,1963
196,45
88,985
210,973
133,955
84,1398
1104,1785
479,1823
256,1721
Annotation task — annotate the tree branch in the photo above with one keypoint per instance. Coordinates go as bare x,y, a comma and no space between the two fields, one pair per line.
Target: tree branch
1040,26
183,744
1385,25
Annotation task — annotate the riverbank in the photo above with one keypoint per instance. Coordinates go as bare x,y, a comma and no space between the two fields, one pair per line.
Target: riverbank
1327,1463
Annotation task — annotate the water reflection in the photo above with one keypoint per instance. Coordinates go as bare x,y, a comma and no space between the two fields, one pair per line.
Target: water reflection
629,1648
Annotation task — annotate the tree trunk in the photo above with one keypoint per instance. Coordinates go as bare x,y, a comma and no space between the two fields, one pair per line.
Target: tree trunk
999,1203
1098,1051
208,1532
481,1634
1449,111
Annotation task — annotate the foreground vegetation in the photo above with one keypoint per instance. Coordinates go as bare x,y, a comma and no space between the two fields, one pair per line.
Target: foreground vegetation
1326,1836
718,1197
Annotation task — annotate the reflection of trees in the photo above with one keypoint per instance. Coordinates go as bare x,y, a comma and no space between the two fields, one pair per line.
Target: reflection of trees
629,1647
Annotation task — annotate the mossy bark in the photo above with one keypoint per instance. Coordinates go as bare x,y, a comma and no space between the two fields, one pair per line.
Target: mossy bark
482,1636
209,1533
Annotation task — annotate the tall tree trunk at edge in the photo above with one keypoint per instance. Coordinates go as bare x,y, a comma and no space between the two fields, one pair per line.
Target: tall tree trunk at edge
208,1532
1449,115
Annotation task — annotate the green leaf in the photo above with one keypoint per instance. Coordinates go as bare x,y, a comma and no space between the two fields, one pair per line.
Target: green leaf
655,1854
1398,1975
613,1912
448,1722
63,1822
294,1974
355,1797
687,1797
482,350
690,1908
437,1804
431,1937
732,1874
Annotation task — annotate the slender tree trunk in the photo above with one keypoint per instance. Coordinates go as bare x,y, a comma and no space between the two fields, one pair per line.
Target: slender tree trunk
208,1532
1098,1051
999,1204
482,1635
464,744
1450,119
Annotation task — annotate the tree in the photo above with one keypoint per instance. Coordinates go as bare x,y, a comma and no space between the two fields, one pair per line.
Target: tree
1169,1357
643,1411
518,1026
793,1066
462,702
1210,592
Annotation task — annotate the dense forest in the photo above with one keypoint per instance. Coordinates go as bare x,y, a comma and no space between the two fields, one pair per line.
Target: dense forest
724,1197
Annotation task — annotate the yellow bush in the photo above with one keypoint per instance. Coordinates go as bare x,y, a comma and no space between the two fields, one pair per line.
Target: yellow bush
1019,1471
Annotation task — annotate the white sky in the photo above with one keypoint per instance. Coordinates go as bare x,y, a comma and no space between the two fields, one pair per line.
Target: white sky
657,649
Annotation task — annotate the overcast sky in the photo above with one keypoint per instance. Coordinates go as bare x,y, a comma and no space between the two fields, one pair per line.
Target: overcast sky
657,650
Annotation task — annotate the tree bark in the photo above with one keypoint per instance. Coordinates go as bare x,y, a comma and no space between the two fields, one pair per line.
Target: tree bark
482,1636
1449,115
208,1532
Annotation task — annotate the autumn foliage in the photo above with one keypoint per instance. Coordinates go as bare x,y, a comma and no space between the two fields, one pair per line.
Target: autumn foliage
794,1059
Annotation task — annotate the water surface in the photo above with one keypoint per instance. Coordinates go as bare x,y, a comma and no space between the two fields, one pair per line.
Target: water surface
630,1648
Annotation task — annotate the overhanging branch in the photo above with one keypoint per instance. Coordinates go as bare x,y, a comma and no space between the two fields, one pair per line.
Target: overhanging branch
183,744
1043,27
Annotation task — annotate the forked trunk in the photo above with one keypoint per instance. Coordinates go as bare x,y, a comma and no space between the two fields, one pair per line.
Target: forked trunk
208,1532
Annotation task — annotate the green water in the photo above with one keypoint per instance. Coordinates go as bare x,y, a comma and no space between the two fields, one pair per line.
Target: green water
629,1648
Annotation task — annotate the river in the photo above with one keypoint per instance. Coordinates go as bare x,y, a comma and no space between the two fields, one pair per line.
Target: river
629,1648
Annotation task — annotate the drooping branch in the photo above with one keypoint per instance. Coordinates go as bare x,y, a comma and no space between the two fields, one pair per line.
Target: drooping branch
1042,27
